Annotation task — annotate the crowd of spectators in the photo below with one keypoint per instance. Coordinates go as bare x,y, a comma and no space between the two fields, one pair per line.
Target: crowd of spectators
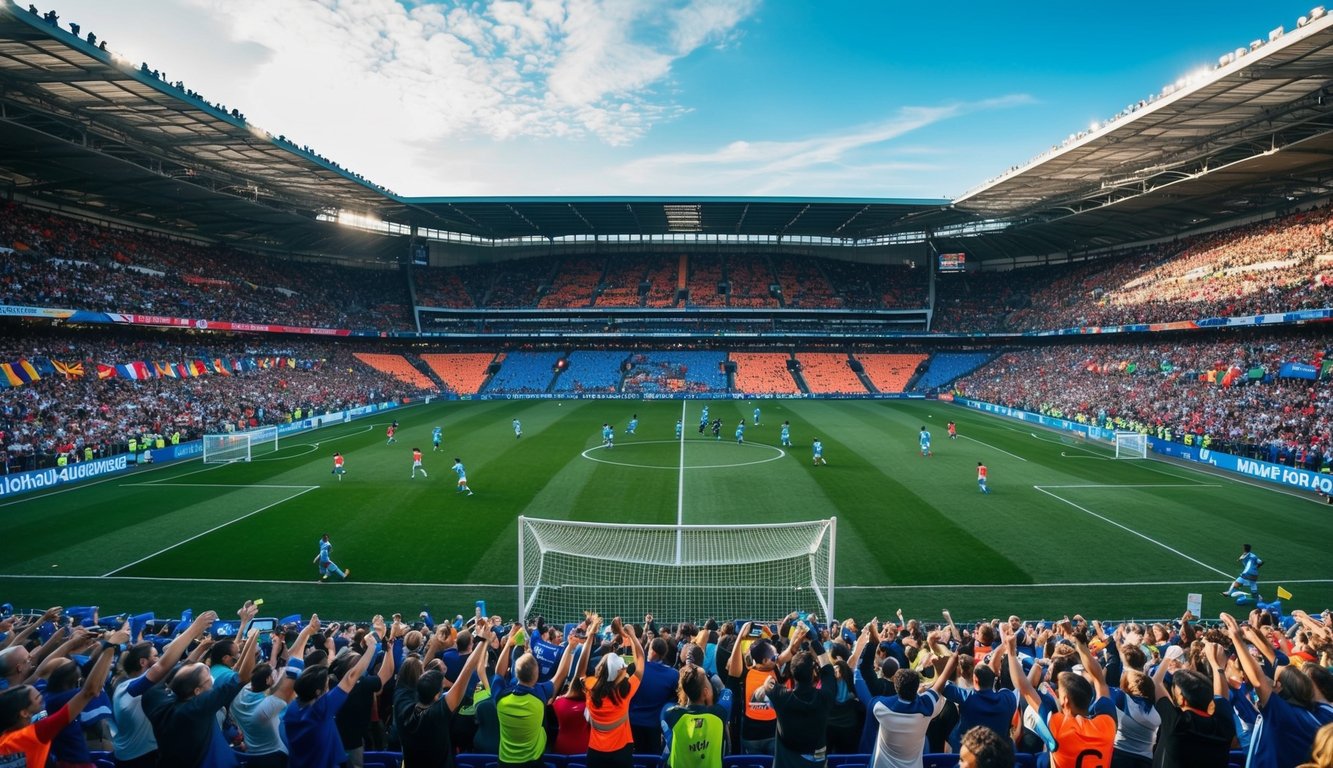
1222,394
56,414
613,693
675,371
524,372
52,260
589,370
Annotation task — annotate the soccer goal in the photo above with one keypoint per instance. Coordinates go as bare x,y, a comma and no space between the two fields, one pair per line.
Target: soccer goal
239,446
1131,445
677,573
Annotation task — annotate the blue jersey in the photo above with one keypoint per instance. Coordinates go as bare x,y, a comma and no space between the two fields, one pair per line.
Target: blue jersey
756,415
678,428
1249,566
819,448
518,426
607,432
458,470
633,424
435,434
786,432
925,438
324,547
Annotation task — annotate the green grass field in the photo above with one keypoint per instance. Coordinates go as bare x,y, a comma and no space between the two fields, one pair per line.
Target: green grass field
1065,529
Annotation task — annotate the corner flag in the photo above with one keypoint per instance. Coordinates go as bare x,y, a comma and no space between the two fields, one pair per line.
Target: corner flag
1283,594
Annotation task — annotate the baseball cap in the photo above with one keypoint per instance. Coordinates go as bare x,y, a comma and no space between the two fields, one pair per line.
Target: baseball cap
1173,652
614,665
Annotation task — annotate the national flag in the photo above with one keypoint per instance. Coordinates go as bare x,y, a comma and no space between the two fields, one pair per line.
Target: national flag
220,367
19,372
198,368
10,376
182,371
1283,594
127,371
164,370
43,366
106,371
72,370
143,369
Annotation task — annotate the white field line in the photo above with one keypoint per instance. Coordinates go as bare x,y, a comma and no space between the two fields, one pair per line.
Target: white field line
212,485
432,585
1144,485
993,448
210,530
27,498
1143,536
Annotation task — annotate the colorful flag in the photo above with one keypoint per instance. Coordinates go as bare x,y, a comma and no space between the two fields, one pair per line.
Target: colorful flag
198,368
220,367
43,366
72,370
106,371
164,370
1283,594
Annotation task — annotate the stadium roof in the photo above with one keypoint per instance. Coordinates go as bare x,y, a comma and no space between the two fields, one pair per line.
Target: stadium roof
1253,134
84,128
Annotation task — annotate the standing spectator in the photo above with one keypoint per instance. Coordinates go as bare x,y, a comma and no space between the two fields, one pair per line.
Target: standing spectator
1197,720
1082,719
751,673
185,713
610,691
24,742
570,709
353,718
904,717
134,744
696,727
656,691
802,722
521,705
424,715
258,710
312,735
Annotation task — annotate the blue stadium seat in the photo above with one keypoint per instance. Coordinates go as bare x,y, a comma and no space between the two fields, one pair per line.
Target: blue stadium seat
944,367
1025,760
476,760
747,761
849,761
939,760
383,759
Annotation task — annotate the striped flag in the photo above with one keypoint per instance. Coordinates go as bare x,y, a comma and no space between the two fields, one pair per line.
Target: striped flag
164,370
72,370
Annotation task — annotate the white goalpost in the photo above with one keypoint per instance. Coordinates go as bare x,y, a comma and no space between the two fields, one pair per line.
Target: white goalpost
677,573
239,446
1131,445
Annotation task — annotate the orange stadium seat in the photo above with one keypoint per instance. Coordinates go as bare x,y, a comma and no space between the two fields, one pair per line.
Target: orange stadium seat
763,372
461,373
397,367
574,283
890,373
828,372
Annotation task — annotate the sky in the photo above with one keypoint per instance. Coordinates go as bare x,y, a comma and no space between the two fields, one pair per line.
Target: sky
803,98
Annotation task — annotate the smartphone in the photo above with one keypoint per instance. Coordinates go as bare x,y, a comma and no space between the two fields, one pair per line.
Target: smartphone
265,627
481,607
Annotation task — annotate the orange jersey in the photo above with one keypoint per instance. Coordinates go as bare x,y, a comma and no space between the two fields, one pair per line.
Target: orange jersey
1084,742
981,473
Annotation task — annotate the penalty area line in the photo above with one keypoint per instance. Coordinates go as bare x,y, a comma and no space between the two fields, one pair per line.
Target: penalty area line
113,572
1047,585
1141,535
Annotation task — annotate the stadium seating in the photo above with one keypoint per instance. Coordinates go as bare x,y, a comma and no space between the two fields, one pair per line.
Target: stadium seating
704,277
672,371
877,286
763,373
398,367
947,366
523,372
441,288
828,373
620,287
592,371
514,284
803,284
664,276
574,283
463,373
890,372
750,278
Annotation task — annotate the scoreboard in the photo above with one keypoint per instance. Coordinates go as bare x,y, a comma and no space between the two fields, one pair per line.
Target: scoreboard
953,262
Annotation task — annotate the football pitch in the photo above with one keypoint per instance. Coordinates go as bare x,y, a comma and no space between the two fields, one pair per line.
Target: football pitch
1066,528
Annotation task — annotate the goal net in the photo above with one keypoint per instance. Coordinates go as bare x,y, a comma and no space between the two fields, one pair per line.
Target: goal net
1131,445
239,446
677,573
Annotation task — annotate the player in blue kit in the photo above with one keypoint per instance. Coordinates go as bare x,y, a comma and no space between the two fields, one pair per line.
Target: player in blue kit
1247,583
436,435
518,429
819,453
786,433
608,436
325,561
740,433
679,428
633,424
462,476
925,442
756,416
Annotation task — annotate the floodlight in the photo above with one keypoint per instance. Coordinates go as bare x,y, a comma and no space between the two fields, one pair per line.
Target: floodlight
1226,59
1276,33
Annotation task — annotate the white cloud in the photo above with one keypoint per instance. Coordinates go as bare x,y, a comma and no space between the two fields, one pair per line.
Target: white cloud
843,161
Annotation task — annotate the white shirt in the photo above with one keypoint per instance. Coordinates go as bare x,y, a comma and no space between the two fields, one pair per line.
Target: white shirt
902,729
259,714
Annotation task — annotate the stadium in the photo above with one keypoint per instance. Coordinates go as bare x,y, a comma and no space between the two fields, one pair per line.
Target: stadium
1077,389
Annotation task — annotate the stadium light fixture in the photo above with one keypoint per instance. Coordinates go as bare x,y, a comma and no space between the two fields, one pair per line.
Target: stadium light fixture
1276,33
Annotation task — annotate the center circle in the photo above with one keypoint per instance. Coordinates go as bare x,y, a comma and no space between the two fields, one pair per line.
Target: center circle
603,455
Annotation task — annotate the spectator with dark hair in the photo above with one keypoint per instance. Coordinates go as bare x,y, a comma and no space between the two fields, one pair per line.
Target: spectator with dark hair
353,718
695,729
24,742
657,689
749,672
1197,721
520,704
258,709
904,717
184,714
803,710
424,712
312,734
982,747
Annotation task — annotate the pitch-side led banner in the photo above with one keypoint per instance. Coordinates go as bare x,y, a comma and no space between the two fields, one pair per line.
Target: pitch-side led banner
44,312
41,479
121,318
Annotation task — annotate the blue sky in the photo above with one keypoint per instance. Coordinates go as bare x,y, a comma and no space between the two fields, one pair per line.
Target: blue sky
676,97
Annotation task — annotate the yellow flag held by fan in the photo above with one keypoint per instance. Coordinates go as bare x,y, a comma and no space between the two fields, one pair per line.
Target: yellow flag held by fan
1283,594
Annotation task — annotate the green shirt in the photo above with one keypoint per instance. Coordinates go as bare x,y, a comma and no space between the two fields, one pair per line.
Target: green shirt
521,709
